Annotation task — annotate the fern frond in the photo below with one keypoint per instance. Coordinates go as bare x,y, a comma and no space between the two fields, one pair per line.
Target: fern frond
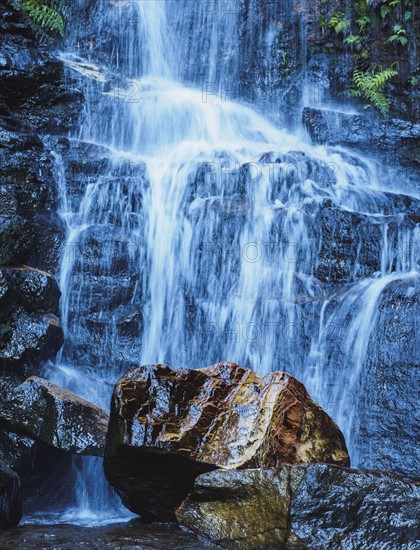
46,16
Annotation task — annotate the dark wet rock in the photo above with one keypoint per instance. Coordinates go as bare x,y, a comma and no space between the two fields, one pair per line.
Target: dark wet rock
33,289
350,246
10,498
386,415
8,203
36,94
389,412
28,175
167,426
315,506
30,330
46,412
15,447
130,535
42,472
334,508
16,237
49,238
396,137
28,339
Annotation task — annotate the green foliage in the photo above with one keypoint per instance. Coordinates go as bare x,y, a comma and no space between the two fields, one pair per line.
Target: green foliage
338,22
363,22
351,39
364,30
399,35
388,7
323,23
370,85
46,17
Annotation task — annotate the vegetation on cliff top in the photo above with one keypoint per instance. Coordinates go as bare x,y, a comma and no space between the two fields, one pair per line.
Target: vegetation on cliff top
376,37
47,17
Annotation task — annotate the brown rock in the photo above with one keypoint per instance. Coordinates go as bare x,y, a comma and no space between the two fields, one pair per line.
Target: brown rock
168,426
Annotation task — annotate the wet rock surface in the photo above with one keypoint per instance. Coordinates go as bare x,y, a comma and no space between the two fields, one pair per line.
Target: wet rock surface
15,447
10,498
314,506
44,411
130,535
396,137
30,330
389,411
167,426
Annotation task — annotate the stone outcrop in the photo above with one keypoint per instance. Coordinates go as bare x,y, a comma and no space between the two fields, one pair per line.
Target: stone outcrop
43,411
395,137
15,448
30,330
10,498
315,506
389,411
167,426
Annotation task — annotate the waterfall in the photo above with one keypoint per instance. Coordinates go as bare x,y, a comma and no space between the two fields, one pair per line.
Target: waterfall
198,236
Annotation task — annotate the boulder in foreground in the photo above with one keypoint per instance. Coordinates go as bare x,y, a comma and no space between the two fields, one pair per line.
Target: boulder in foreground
46,412
299,507
168,426
10,498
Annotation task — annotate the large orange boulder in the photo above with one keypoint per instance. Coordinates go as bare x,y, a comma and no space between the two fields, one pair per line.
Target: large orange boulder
168,426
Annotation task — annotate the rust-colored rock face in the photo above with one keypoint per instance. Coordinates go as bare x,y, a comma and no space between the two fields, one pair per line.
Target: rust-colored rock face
166,426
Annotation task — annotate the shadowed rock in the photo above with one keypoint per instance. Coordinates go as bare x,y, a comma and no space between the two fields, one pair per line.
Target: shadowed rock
315,506
167,426
15,448
48,413
10,498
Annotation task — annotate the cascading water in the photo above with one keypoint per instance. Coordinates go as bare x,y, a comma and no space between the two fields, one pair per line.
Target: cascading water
199,240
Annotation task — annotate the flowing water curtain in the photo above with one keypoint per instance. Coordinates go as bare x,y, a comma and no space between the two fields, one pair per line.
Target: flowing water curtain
196,235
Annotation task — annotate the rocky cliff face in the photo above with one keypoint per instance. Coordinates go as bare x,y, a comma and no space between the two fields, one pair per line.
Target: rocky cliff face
298,63
35,101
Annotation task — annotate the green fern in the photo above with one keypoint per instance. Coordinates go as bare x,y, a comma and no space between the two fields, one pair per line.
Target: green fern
338,22
363,22
47,17
351,39
398,36
370,85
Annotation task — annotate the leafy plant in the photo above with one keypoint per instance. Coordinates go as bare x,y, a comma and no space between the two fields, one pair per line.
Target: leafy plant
351,39
388,6
323,23
370,85
338,22
47,17
399,35
363,22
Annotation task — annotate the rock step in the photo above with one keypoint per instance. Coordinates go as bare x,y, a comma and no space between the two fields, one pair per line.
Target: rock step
316,506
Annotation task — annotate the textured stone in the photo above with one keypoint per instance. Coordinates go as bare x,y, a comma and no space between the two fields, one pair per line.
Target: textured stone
47,412
239,508
16,237
315,506
28,339
10,498
166,426
14,447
